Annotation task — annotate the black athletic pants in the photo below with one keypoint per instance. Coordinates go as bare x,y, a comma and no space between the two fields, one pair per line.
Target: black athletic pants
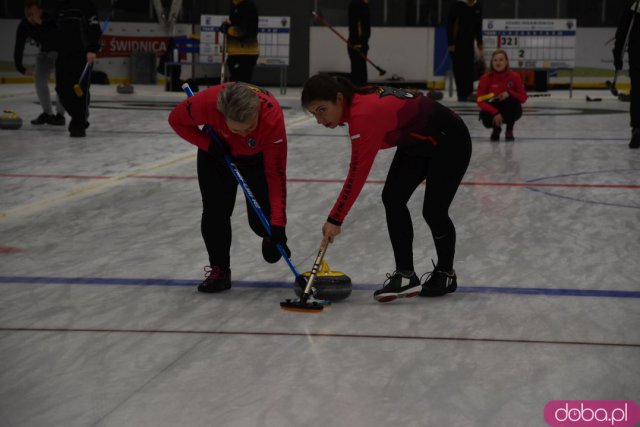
358,66
634,108
463,71
510,109
443,171
218,188
241,67
68,71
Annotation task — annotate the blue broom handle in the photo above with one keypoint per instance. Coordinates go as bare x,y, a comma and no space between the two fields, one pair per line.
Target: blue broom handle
102,30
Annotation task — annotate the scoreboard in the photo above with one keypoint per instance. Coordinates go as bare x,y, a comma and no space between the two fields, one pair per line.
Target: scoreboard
273,37
532,43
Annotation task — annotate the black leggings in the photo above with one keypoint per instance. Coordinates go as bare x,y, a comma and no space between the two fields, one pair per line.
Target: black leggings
463,70
510,109
68,71
241,67
443,172
634,108
218,188
358,66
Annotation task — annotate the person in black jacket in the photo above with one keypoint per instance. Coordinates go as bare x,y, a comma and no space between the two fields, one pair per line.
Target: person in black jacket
628,34
464,27
359,33
78,41
38,28
242,40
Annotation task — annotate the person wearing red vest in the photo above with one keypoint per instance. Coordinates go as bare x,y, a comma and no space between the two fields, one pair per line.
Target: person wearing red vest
249,122
500,96
431,142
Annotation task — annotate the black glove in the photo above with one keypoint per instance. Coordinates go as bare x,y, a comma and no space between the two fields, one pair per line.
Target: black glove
617,60
224,27
278,235
269,250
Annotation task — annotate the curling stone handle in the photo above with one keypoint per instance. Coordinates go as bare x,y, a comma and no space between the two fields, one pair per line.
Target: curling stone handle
314,271
324,268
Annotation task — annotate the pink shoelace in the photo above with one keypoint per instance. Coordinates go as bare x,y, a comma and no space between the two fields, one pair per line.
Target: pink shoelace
213,272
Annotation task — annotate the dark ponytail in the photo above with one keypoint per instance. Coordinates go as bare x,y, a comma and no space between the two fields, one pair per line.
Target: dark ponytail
324,87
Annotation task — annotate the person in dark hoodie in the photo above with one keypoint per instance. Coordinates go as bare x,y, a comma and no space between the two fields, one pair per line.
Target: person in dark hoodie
38,28
464,27
78,42
628,34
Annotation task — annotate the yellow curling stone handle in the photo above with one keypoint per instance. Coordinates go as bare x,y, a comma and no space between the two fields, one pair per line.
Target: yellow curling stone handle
325,271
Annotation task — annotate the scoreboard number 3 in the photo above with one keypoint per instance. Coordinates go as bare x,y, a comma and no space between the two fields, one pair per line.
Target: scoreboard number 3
508,41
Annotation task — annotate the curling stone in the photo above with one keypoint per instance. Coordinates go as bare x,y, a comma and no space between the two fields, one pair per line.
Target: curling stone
10,120
124,88
436,95
329,285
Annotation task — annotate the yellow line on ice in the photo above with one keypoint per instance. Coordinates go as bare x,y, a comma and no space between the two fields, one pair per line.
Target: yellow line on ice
84,190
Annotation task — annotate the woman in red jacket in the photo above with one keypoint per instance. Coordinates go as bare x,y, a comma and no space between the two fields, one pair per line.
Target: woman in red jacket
500,96
432,143
249,122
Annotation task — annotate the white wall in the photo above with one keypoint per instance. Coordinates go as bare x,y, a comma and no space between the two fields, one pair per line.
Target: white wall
408,51
405,51
592,49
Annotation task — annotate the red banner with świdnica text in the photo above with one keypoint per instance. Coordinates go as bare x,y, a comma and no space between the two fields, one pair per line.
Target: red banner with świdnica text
122,46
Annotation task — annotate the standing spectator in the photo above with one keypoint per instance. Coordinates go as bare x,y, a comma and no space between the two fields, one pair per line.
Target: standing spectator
39,28
78,41
464,27
242,40
500,95
359,33
628,34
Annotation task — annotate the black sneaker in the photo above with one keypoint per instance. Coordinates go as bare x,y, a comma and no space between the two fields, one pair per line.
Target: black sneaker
635,138
495,135
398,285
57,120
216,280
42,119
439,283
508,136
77,133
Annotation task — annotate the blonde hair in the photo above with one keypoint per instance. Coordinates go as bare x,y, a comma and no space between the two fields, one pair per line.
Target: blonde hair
239,103
496,52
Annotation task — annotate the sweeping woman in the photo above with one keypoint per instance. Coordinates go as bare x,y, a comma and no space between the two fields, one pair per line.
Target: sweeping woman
249,122
431,142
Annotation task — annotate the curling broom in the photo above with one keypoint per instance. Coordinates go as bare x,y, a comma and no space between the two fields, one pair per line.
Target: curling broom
303,305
